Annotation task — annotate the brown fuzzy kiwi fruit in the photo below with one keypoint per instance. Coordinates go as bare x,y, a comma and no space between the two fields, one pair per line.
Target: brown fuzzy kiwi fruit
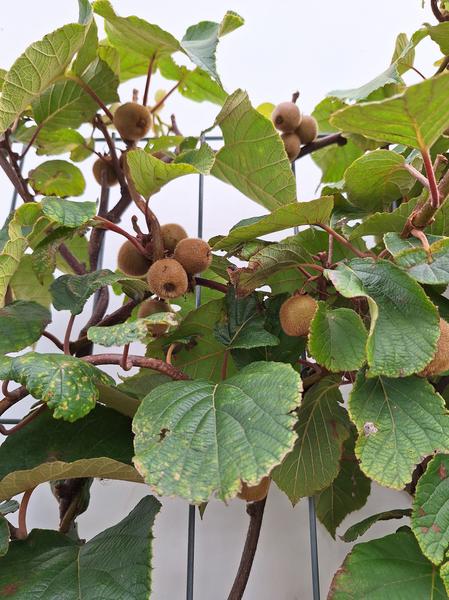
132,121
104,166
292,145
172,233
167,278
286,117
308,129
440,362
254,493
296,314
131,262
152,307
195,255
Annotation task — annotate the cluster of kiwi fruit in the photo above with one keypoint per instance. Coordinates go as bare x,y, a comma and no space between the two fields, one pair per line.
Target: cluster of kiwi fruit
297,129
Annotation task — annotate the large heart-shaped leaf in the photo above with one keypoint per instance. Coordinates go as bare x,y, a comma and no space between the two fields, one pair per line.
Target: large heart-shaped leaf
194,438
400,311
67,384
21,324
100,445
322,427
251,140
57,178
399,422
114,564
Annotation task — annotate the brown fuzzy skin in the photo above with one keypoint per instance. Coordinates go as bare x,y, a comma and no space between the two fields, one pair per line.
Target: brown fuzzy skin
255,493
292,145
308,129
296,314
195,255
132,121
104,165
131,262
167,278
172,233
152,307
440,362
286,117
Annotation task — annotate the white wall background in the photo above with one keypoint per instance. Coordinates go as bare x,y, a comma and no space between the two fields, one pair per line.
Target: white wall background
284,46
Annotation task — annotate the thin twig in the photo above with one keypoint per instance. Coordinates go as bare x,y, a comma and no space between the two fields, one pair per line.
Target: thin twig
22,529
417,175
345,242
92,94
13,397
138,361
32,140
105,224
161,102
54,339
30,417
323,142
209,283
68,332
124,363
147,82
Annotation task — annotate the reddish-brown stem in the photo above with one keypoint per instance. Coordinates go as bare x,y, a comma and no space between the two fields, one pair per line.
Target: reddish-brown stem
413,68
169,355
345,242
417,175
147,82
174,125
68,333
421,236
105,224
53,339
16,181
30,417
32,140
162,100
73,263
13,397
97,235
92,94
213,285
138,361
124,364
433,186
312,266
224,365
323,142
22,532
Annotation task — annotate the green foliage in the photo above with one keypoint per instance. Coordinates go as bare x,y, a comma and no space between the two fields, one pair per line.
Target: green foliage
57,178
125,333
21,324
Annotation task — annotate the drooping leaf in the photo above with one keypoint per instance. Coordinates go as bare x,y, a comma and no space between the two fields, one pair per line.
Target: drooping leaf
390,567
360,528
67,212
337,339
67,384
399,422
130,331
251,140
115,564
416,118
26,286
285,217
57,178
99,445
399,310
21,324
196,438
322,427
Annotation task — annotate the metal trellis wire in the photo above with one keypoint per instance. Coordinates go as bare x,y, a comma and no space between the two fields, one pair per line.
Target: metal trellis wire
192,508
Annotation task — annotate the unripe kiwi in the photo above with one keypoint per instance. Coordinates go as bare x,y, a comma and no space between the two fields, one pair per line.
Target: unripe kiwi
104,165
440,362
132,121
292,145
167,278
296,314
286,117
172,233
131,262
152,307
308,129
195,255
254,493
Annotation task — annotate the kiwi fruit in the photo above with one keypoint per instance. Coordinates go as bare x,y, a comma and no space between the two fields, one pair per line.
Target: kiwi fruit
440,362
292,145
167,278
193,254
132,121
131,262
152,307
296,314
254,493
307,129
104,165
286,117
172,233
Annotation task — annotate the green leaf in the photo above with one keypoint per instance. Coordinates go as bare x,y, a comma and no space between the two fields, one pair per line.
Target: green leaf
380,223
21,324
399,310
149,173
88,51
431,268
440,35
130,331
36,69
376,179
99,445
430,516
251,140
4,536
140,385
285,217
11,254
9,506
390,567
348,492
194,438
399,421
26,286
337,339
322,427
67,384
116,563
67,212
416,118
242,324
57,178
360,528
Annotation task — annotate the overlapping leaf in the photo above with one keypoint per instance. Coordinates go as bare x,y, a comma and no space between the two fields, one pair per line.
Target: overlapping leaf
68,213
21,324
130,331
57,178
360,528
